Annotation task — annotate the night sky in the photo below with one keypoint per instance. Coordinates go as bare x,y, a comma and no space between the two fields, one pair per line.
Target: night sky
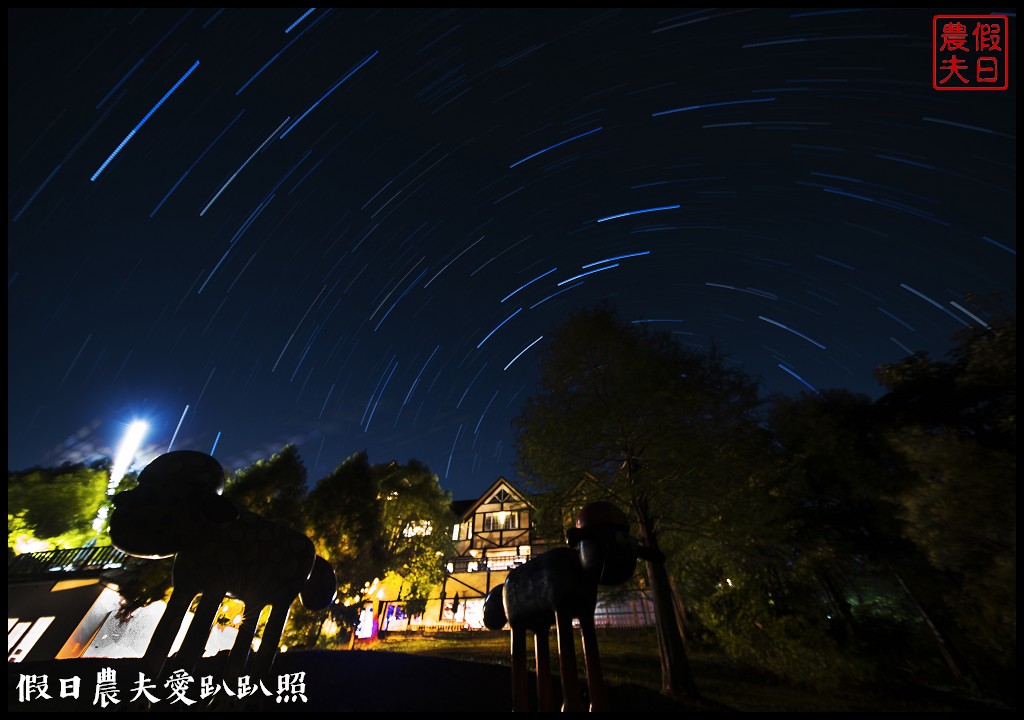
353,229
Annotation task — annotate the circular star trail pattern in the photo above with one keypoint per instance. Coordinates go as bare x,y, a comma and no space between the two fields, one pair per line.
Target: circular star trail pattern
354,229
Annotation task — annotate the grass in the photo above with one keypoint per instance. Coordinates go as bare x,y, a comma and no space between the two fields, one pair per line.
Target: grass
632,669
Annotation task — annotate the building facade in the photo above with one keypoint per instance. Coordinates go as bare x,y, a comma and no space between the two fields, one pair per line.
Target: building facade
494,534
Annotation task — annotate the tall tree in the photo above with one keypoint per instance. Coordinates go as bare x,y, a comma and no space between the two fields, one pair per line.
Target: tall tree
274,488
627,414
378,520
416,519
345,523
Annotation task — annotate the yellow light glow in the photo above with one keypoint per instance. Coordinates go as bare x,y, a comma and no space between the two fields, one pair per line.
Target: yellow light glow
73,584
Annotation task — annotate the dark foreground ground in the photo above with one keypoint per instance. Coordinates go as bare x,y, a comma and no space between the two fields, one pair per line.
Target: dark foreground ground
335,681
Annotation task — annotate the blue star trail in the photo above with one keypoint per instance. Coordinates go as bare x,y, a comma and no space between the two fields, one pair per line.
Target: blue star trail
357,229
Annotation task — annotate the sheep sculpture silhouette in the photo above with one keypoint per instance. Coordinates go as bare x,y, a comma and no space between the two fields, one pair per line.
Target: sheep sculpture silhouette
560,586
219,551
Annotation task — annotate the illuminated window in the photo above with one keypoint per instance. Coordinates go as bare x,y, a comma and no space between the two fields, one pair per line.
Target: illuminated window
503,520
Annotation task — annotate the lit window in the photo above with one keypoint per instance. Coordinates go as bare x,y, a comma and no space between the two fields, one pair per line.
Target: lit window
503,520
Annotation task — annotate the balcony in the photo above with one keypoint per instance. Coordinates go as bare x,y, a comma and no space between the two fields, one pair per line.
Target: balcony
494,564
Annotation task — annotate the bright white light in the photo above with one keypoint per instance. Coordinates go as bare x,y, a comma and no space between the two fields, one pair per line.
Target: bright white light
129,446
24,544
101,518
420,527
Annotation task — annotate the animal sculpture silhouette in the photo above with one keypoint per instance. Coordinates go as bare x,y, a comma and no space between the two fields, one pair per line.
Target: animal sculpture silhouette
560,586
219,551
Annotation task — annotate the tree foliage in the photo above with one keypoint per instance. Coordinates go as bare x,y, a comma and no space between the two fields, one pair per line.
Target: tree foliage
345,522
954,424
52,508
382,522
416,517
273,488
817,535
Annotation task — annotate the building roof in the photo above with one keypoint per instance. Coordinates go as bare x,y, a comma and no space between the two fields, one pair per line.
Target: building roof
464,508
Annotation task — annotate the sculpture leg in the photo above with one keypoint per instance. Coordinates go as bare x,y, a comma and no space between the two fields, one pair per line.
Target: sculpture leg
595,677
242,649
155,658
235,667
194,644
166,630
270,642
542,652
520,678
572,700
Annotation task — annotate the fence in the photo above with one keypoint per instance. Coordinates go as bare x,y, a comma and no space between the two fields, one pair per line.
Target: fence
73,560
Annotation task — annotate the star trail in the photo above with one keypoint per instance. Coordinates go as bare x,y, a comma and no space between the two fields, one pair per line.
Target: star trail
355,228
